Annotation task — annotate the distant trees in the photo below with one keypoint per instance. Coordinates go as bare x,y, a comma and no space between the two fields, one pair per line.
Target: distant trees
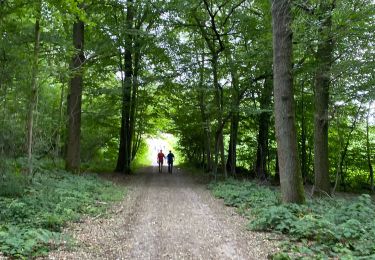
320,58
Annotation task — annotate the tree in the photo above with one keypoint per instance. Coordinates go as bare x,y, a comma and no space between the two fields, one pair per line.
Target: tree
324,59
290,175
368,149
73,150
34,87
124,155
263,132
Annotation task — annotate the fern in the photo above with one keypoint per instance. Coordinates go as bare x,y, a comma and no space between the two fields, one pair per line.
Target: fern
323,227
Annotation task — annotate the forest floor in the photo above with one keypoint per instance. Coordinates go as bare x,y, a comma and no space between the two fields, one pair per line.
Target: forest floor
166,216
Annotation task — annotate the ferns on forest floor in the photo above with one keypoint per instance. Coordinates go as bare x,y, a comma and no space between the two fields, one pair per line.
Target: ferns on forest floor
31,222
320,228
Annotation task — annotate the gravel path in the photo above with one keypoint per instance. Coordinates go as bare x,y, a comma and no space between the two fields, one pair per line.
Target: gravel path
166,216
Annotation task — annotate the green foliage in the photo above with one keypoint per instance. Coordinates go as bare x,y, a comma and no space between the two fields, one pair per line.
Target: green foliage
12,185
142,157
244,194
321,228
31,223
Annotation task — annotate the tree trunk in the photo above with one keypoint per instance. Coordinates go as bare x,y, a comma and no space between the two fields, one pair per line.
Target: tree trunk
232,151
124,154
219,138
263,122
277,169
72,161
205,119
321,100
235,117
133,107
34,89
60,121
303,136
206,131
292,190
368,150
211,41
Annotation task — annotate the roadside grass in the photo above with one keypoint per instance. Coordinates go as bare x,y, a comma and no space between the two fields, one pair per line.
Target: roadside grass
322,228
34,212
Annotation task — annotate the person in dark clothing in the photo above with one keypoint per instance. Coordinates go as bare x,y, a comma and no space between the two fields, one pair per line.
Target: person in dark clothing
170,158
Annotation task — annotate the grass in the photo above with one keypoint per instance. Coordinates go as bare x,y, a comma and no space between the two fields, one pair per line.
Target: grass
32,218
320,229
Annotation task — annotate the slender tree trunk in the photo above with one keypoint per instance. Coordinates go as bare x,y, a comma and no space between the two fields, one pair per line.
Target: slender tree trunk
219,138
124,155
232,150
321,100
73,158
277,169
340,171
368,150
211,41
60,121
205,119
133,106
263,122
217,98
303,136
206,130
3,89
292,190
34,89
235,118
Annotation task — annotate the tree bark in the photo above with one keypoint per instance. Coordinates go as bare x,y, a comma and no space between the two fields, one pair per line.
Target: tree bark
72,161
368,150
124,154
263,122
303,136
321,100
133,106
234,116
232,150
219,138
34,89
292,190
205,118
60,121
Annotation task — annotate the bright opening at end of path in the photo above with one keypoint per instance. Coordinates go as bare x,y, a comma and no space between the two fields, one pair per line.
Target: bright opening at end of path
164,142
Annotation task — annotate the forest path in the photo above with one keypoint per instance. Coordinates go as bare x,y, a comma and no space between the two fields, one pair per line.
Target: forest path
166,216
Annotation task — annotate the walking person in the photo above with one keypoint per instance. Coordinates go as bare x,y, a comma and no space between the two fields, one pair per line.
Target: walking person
160,159
170,158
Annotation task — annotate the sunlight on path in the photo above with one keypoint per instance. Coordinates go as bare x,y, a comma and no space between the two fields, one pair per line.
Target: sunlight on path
157,144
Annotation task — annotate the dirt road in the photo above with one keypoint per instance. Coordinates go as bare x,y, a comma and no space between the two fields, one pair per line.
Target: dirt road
166,216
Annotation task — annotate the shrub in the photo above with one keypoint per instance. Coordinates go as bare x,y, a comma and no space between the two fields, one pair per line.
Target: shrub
31,223
322,227
12,182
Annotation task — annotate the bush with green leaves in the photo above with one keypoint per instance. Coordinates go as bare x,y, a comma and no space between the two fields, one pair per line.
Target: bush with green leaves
322,228
32,222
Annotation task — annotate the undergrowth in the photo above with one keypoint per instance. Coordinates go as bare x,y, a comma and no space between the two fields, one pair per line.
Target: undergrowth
32,218
322,228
